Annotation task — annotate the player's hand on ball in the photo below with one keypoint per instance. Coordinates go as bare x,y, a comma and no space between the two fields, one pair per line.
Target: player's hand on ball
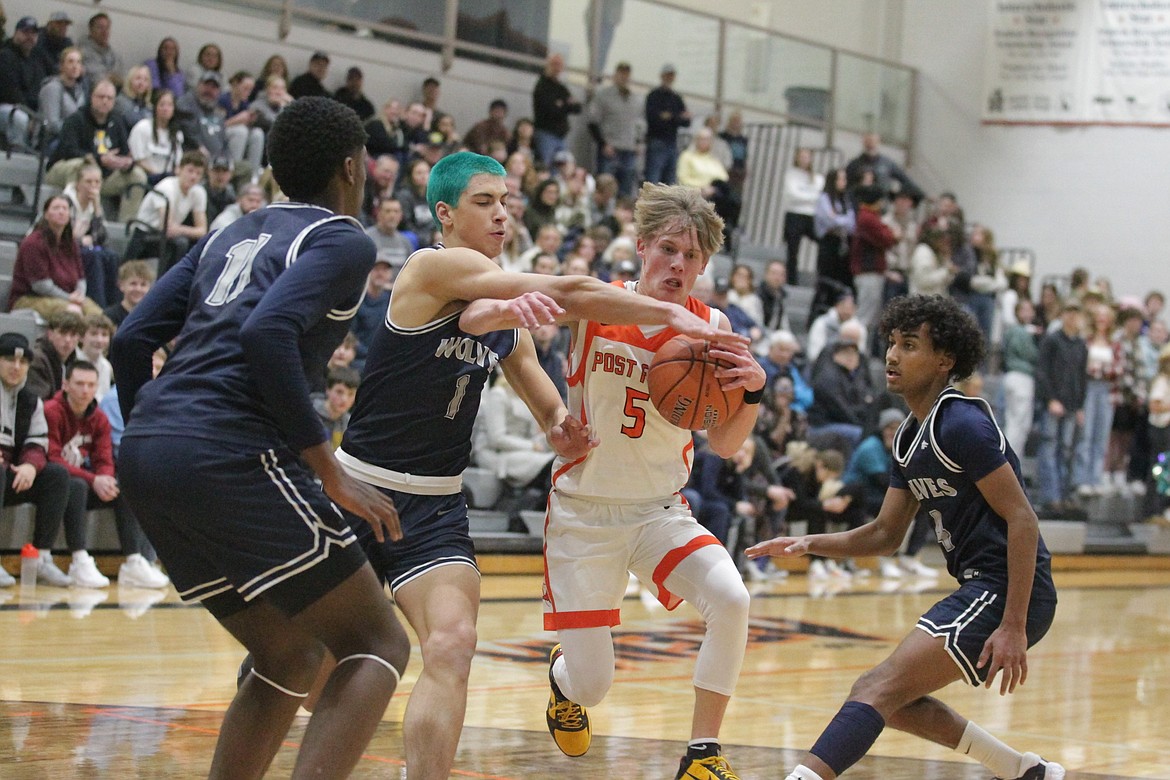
780,547
368,503
1005,650
696,327
571,439
745,371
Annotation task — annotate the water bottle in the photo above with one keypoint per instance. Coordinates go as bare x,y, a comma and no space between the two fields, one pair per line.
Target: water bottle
29,561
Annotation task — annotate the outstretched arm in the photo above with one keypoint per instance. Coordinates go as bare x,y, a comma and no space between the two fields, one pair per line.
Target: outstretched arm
881,537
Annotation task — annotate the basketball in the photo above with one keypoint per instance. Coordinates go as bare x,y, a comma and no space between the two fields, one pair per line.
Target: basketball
683,387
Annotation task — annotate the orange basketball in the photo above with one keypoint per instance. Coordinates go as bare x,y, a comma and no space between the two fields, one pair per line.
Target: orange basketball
683,387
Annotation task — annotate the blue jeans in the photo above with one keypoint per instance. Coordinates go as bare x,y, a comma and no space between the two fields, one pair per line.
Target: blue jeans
1095,439
1054,456
547,145
661,161
622,167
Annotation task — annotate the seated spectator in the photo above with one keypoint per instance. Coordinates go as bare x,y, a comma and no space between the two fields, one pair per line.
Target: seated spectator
251,197
332,407
714,490
350,94
24,448
100,59
94,346
931,266
245,136
343,357
546,264
393,246
826,328
96,132
542,206
416,213
780,361
384,133
156,142
177,210
109,403
63,94
481,135
779,422
53,351
509,442
841,399
133,103
699,167
89,230
820,497
381,185
743,292
79,439
135,279
269,102
573,209
772,297
48,275
209,58
206,129
741,322
312,81
164,68
274,67
221,193
372,311
552,350
22,70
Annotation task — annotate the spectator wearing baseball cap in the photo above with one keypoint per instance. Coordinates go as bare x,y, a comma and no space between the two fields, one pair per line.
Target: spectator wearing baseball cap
54,40
311,83
665,114
22,69
28,476
350,94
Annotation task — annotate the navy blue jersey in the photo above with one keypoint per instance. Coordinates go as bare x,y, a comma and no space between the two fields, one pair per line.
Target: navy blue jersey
939,460
256,307
420,394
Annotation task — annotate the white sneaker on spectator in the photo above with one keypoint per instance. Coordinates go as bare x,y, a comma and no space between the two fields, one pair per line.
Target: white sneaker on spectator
837,570
755,571
918,568
817,570
6,579
83,572
137,572
889,569
49,574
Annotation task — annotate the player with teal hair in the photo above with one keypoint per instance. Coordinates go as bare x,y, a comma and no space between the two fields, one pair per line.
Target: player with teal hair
454,315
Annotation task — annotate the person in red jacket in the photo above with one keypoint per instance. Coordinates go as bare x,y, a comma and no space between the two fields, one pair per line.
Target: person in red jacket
79,439
867,255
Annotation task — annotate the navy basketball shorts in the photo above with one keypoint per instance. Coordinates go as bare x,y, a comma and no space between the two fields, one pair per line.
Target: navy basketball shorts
232,524
435,533
966,618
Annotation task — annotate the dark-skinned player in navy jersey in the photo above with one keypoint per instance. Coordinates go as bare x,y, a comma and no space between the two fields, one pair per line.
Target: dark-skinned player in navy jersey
454,315
220,453
952,461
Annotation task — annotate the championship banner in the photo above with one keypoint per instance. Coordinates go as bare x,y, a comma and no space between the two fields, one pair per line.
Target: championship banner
1078,62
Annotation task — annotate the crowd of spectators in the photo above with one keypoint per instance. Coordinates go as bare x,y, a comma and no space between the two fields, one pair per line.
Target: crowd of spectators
178,149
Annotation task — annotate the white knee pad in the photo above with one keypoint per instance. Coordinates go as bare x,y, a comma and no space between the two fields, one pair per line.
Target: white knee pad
708,580
585,672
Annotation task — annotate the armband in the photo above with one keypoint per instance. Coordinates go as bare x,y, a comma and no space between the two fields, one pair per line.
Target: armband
753,396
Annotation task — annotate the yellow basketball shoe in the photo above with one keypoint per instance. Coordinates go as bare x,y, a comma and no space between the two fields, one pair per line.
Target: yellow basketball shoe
568,722
714,767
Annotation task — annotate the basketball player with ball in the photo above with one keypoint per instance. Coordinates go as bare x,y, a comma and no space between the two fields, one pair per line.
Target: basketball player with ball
617,508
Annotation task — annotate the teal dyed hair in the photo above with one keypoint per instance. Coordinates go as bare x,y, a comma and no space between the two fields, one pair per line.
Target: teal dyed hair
451,175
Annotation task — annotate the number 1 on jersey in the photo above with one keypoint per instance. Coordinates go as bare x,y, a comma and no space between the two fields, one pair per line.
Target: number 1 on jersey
237,271
457,399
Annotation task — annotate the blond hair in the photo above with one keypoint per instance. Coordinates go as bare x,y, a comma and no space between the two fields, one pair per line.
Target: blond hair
663,209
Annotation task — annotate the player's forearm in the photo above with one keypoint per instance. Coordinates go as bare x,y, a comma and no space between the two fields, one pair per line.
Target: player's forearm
727,438
586,298
485,315
1023,537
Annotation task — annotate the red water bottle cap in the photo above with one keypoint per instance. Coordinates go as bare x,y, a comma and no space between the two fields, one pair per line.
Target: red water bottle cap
28,551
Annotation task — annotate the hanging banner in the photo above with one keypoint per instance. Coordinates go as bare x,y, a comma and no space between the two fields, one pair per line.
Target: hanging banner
1078,62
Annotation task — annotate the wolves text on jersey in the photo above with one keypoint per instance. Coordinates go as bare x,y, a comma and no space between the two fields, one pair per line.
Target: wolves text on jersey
468,350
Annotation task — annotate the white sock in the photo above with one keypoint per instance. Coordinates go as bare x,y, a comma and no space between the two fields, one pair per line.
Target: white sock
989,751
802,772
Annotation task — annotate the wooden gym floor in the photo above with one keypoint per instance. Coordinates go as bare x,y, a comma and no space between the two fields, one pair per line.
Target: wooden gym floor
122,685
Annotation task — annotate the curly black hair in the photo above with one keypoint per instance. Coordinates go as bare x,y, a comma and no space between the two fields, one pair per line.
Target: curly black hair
309,141
952,329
